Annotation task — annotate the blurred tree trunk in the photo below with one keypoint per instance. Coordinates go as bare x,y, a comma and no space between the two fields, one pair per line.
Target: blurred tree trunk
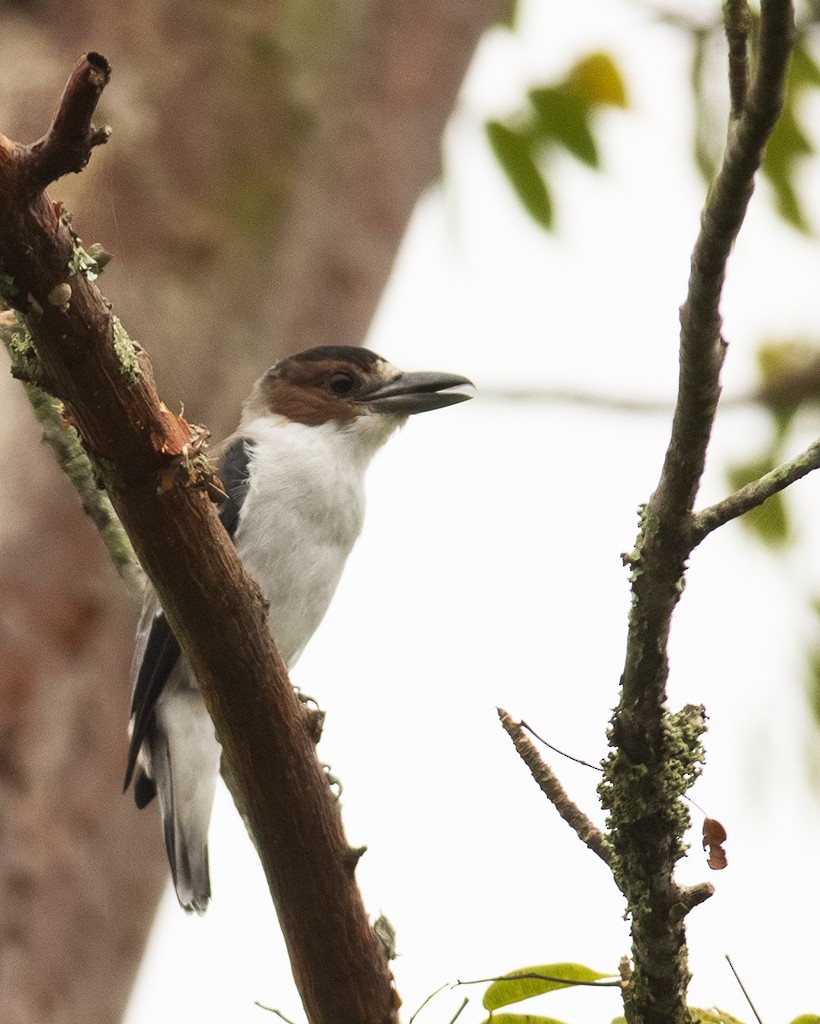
265,162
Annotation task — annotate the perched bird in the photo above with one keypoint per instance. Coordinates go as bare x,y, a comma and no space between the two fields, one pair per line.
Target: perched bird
293,473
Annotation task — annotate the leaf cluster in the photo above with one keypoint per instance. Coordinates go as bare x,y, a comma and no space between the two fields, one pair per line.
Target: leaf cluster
559,117
528,982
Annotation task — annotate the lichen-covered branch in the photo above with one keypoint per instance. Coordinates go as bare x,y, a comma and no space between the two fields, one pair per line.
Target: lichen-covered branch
69,452
655,755
151,462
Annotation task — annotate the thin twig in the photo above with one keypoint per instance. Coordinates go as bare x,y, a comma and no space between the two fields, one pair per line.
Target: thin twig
457,1014
743,990
606,403
562,753
755,493
441,988
589,834
691,897
792,389
271,1009
537,976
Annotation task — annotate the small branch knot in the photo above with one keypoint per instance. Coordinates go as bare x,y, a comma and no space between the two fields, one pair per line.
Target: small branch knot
695,895
352,857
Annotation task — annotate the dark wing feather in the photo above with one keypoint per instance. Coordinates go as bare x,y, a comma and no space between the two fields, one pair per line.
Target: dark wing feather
162,649
161,654
145,789
234,473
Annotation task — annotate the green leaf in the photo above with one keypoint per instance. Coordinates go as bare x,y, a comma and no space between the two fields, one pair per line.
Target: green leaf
551,977
520,1018
708,142
813,660
770,521
563,116
559,114
803,69
513,150
779,358
789,143
597,80
789,372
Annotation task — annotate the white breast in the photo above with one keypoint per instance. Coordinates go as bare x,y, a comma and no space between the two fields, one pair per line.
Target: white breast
302,514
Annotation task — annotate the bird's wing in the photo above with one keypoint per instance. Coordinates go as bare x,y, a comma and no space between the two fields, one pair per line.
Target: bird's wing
157,649
234,473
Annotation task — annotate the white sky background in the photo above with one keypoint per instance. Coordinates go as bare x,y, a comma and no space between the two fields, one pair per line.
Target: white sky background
489,574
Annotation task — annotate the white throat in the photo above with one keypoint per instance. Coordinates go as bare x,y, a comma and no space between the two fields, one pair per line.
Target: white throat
302,514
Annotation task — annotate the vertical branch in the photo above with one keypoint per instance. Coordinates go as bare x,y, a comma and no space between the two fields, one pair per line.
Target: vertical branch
655,755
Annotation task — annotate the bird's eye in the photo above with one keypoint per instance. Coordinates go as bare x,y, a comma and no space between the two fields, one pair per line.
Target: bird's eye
341,383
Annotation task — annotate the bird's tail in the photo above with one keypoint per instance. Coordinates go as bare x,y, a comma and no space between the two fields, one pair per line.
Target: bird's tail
185,797
185,830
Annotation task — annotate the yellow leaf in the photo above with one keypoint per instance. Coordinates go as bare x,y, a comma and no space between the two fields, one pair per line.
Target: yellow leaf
597,80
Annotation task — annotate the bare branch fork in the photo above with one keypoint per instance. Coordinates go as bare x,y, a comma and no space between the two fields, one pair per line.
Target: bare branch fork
158,481
655,756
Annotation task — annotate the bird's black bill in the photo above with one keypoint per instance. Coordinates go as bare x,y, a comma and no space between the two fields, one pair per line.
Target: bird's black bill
419,392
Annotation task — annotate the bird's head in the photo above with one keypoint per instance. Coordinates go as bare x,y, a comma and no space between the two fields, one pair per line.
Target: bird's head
347,386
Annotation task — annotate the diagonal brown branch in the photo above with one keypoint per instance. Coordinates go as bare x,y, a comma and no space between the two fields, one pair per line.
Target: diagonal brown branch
552,789
157,479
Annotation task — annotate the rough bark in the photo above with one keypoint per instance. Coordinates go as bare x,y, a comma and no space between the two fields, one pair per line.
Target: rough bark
224,163
158,483
655,755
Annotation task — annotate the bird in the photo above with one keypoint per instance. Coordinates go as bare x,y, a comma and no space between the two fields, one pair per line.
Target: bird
293,476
